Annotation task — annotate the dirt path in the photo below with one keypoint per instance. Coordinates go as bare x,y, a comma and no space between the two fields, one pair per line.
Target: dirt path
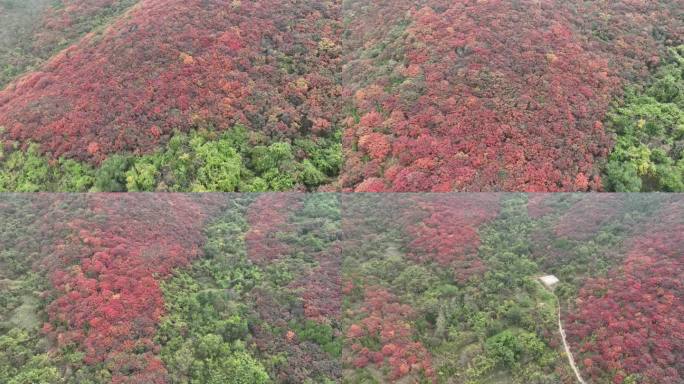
571,360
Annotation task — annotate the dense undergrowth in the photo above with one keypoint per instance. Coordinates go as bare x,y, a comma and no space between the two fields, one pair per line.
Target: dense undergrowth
495,325
244,313
204,332
23,353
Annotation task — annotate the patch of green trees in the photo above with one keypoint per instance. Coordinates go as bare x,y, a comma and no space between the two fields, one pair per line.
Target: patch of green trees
23,352
649,149
205,332
235,160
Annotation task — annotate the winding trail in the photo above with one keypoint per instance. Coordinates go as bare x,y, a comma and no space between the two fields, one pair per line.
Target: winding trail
571,359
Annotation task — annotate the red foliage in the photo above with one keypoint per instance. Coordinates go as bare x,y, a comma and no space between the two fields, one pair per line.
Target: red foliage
388,321
321,289
587,216
537,205
267,216
375,144
468,95
108,299
179,64
372,184
493,95
447,234
631,322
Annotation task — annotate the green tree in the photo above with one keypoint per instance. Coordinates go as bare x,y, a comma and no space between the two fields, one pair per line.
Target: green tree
142,176
218,362
25,171
649,150
111,176
20,362
75,176
221,166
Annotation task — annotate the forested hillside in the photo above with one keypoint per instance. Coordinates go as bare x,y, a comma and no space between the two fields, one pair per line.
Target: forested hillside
346,288
293,95
493,95
34,30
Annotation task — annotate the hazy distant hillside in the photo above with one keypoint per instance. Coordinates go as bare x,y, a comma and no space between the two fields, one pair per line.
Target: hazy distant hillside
33,30
17,19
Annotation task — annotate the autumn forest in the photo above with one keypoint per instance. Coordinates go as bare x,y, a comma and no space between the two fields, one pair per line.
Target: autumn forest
381,96
347,288
341,191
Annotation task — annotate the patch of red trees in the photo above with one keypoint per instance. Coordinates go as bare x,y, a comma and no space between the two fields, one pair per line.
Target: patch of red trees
305,359
267,216
105,275
321,288
272,215
587,216
385,320
538,205
491,95
631,322
447,234
278,230
177,65
468,95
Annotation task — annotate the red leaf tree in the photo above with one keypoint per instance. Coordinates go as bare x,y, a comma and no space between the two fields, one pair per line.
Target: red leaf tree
631,322
384,319
492,95
447,232
105,277
177,65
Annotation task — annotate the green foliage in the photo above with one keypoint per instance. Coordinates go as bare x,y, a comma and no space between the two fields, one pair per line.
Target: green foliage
572,260
9,4
321,334
76,177
206,333
512,349
490,328
20,361
325,154
415,279
199,161
29,171
311,176
202,333
206,324
24,171
649,152
220,166
221,363
111,176
266,158
142,175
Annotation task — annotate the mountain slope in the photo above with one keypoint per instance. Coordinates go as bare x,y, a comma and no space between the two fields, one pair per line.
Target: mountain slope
406,95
